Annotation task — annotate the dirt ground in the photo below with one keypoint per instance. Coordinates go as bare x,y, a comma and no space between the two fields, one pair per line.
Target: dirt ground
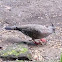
18,12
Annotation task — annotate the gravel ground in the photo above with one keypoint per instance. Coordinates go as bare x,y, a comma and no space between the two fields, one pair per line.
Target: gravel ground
18,12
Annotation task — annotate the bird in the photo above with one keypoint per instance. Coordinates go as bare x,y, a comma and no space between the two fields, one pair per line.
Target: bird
35,31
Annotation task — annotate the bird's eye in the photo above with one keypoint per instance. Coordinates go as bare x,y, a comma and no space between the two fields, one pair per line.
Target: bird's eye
46,26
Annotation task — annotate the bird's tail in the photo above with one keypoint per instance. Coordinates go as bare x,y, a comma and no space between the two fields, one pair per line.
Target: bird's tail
10,28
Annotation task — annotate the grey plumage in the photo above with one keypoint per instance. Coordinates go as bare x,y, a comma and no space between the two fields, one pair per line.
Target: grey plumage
34,31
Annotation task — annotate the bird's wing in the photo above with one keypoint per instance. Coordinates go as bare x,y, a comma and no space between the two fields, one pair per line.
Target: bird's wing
30,31
33,28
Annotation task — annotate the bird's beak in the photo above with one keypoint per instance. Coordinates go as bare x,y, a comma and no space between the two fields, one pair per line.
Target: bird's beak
54,32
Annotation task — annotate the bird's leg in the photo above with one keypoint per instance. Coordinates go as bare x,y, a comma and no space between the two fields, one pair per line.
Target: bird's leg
36,42
33,40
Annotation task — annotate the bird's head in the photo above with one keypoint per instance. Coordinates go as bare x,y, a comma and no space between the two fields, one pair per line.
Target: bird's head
52,28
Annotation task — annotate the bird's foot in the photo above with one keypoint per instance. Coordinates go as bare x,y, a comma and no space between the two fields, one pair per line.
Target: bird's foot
40,42
43,41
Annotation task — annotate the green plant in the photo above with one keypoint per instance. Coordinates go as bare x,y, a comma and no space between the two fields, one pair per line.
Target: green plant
61,58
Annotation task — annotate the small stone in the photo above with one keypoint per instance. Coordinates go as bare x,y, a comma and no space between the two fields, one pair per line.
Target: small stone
35,57
16,51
